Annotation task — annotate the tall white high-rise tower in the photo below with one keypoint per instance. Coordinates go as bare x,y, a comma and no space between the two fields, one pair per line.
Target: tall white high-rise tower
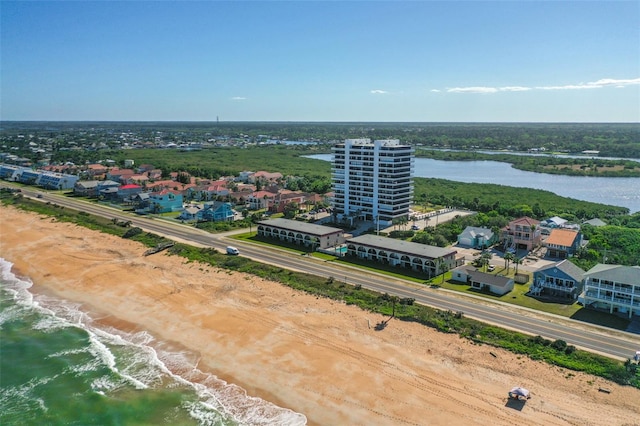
372,181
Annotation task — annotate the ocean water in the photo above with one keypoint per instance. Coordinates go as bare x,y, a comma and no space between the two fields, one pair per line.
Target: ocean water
58,366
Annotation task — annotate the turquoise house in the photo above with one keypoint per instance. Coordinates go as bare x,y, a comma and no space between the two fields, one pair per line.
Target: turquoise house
165,202
217,211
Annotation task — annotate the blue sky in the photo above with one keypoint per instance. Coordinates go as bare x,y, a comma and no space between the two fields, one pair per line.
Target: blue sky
428,61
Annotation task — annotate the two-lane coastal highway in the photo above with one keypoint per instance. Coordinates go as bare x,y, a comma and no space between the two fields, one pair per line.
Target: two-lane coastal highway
613,343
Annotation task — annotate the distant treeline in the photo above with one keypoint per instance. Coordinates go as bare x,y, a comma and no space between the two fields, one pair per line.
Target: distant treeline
581,166
610,139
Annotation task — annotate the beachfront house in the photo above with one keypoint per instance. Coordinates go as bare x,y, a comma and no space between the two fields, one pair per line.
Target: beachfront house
481,281
217,211
165,201
613,288
561,280
86,188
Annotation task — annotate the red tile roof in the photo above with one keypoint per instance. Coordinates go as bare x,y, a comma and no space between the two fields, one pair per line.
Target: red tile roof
561,237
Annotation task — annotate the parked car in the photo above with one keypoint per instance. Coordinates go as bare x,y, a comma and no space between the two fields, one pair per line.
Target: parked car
491,268
415,228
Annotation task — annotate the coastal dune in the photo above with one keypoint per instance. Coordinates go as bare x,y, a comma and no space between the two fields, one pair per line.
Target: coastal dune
315,356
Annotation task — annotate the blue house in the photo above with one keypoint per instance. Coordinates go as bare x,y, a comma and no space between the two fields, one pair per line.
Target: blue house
217,211
479,238
165,201
561,280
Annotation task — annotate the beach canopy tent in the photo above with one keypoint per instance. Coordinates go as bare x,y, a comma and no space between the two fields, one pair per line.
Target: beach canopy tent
518,393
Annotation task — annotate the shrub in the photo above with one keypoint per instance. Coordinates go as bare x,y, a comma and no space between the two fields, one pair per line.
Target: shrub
132,232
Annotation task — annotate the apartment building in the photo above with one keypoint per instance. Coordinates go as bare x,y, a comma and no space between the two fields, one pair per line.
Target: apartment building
372,180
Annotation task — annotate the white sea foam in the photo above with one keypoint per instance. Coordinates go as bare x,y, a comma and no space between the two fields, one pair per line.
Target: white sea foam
144,362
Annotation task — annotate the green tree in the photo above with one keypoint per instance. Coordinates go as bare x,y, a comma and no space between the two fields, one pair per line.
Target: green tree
291,210
508,257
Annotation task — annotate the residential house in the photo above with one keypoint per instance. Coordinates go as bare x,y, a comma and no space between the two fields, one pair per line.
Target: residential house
265,177
120,175
159,185
561,279
108,189
103,184
155,174
553,222
496,284
165,201
127,192
191,213
521,234
614,288
461,273
145,168
246,176
213,190
138,179
261,200
595,222
141,202
562,243
86,188
218,211
285,197
96,171
479,238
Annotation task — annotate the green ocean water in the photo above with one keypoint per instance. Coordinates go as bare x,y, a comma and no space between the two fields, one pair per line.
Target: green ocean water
57,368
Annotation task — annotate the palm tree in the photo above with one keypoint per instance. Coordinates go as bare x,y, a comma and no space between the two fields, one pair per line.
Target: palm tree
517,261
508,257
443,269
394,300
485,257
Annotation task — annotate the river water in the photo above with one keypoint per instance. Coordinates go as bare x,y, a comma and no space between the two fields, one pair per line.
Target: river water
624,192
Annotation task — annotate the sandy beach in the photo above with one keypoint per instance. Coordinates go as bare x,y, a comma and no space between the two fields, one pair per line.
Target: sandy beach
315,356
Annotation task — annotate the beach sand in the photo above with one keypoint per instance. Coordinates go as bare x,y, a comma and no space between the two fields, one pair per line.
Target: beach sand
315,356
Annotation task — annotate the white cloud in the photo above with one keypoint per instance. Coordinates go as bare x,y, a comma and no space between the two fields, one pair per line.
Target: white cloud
436,90
605,82
477,89
238,98
482,89
514,89
379,92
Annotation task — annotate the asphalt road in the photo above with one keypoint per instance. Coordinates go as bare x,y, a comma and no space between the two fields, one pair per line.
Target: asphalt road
613,343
